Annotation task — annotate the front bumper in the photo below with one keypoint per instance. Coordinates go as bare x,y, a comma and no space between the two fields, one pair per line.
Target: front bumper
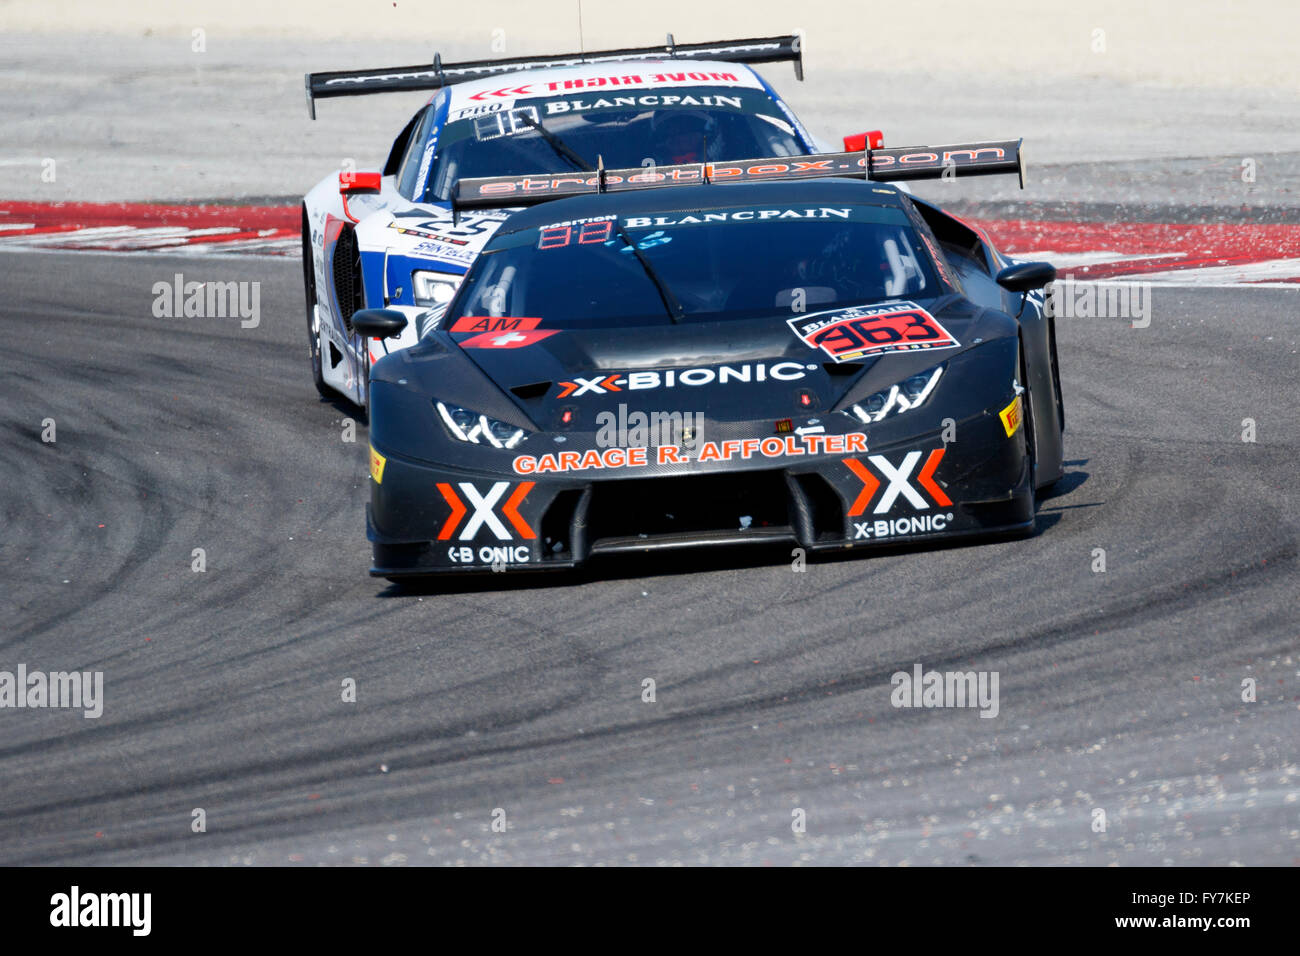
840,492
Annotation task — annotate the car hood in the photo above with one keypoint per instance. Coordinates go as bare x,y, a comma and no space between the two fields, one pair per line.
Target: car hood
736,370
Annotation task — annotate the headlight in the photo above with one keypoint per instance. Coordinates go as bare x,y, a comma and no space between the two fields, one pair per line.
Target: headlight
909,394
434,288
479,429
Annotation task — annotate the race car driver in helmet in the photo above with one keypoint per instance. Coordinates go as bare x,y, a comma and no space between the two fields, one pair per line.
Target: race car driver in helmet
682,135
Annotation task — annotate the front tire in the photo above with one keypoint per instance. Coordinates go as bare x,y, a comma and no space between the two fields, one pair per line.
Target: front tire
309,287
1059,407
365,386
1027,425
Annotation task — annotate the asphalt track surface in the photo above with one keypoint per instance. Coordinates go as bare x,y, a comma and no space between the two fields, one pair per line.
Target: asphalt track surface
1119,691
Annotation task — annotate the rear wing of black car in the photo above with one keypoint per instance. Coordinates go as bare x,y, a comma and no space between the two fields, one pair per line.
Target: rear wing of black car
434,76
879,165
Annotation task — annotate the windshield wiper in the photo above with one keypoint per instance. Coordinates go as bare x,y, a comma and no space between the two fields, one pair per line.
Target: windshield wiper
557,144
670,301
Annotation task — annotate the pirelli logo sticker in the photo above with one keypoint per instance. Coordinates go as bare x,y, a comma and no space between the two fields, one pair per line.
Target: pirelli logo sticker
862,331
377,463
1011,416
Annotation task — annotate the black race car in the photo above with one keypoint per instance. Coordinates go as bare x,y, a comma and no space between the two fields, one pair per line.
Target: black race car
780,349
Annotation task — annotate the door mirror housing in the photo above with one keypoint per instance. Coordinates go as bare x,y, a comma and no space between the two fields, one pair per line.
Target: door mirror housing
378,323
1024,276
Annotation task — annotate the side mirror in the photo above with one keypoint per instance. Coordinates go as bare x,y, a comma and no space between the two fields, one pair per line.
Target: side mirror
1024,276
378,323
353,183
858,142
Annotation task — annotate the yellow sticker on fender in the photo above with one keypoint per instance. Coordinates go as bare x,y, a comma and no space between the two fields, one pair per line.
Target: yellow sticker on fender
377,462
1010,418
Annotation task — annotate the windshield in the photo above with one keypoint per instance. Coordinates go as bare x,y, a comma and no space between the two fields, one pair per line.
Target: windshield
688,125
700,265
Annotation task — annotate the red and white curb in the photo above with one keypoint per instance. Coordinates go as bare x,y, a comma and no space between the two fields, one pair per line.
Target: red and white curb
147,227
1186,254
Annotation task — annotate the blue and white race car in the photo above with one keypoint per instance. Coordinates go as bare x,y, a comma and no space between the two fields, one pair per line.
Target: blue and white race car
389,238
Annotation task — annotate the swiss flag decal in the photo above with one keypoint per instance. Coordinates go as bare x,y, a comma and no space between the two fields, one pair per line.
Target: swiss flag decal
506,340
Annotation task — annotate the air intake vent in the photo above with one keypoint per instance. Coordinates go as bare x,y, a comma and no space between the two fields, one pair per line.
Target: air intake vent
347,276
740,502
529,392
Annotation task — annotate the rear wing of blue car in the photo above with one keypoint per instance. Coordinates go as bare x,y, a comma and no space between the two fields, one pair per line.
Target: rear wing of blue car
436,75
958,160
